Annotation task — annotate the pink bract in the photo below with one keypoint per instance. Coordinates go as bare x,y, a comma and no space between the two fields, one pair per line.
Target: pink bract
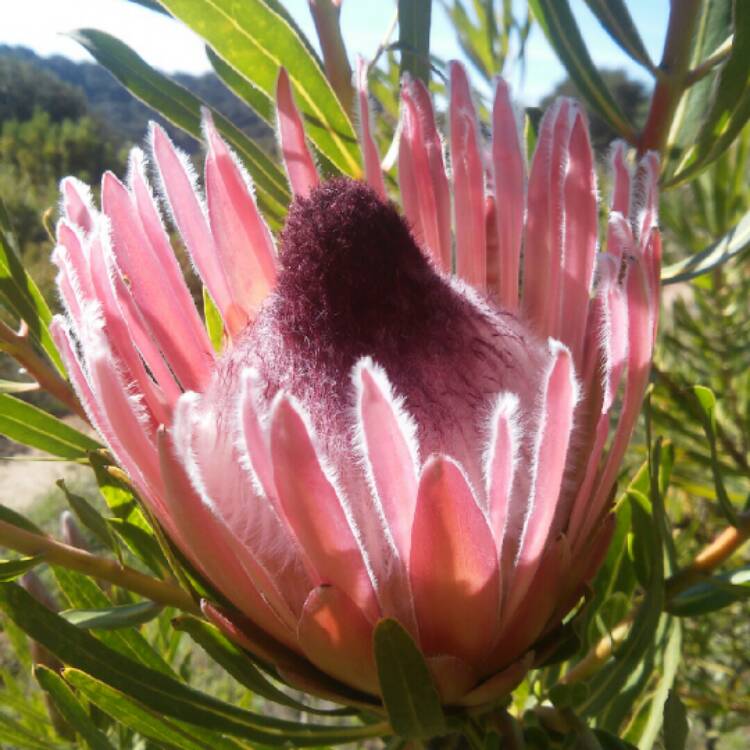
412,417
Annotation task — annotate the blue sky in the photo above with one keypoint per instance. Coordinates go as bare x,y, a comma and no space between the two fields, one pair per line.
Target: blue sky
41,25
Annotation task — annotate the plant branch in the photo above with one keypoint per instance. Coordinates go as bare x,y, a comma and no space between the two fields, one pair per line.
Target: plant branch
707,560
672,74
102,568
326,15
19,346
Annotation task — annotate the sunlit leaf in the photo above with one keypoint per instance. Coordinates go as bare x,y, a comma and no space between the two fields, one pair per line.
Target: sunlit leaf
21,296
141,719
29,425
614,16
160,692
12,569
731,245
256,40
71,709
214,323
183,109
729,108
559,25
713,594
706,399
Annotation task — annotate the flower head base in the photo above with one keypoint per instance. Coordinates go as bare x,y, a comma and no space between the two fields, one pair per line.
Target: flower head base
380,437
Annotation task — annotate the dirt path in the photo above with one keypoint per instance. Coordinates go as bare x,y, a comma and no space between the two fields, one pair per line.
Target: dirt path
27,475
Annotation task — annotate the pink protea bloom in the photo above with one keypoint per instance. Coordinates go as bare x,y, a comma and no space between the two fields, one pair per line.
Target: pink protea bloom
412,416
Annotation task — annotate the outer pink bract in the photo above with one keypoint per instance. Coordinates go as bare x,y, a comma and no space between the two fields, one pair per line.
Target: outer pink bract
438,447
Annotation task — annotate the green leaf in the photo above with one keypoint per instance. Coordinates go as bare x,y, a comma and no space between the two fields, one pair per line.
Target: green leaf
14,735
608,741
714,26
90,518
614,16
414,17
14,386
21,296
707,403
606,685
651,688
713,594
244,89
675,731
559,25
256,40
28,425
11,569
82,593
8,515
214,324
141,543
160,692
239,665
141,719
183,109
113,618
118,495
730,106
476,39
409,694
71,708
733,244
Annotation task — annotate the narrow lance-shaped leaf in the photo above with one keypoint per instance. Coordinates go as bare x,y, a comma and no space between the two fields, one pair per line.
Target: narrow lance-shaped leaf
414,18
141,719
214,324
409,694
713,594
615,17
90,518
113,618
732,245
730,107
161,693
71,709
82,592
256,41
706,400
21,296
713,28
183,109
675,723
254,97
12,569
141,543
649,559
28,425
14,386
559,25
239,665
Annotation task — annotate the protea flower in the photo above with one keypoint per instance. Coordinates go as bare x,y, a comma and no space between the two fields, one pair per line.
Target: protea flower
412,413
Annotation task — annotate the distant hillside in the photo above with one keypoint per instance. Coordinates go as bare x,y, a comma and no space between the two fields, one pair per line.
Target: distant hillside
64,88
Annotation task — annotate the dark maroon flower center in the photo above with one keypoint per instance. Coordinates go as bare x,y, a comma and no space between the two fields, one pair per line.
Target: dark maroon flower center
354,283
353,280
